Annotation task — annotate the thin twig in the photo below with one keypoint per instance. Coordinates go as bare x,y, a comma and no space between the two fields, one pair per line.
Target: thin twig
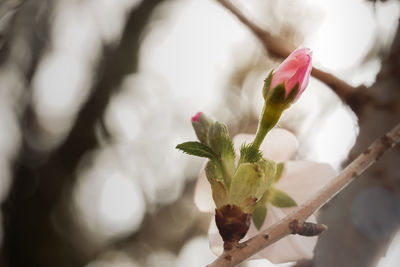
278,47
282,228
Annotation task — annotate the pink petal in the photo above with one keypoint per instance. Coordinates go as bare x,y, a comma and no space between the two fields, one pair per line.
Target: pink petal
296,68
307,74
279,144
304,64
202,193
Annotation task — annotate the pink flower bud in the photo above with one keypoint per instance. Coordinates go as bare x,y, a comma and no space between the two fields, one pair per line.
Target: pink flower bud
196,117
296,68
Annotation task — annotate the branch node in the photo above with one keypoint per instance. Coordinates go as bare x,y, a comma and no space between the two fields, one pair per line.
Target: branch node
387,141
228,257
307,228
228,246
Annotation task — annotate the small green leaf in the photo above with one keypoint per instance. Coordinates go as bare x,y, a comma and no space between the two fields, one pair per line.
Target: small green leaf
259,214
280,199
196,149
279,170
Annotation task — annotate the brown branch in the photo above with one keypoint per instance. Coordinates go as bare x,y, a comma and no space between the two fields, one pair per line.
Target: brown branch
276,46
284,227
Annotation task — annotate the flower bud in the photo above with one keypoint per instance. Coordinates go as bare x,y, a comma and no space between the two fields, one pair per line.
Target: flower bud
294,73
283,87
201,124
196,117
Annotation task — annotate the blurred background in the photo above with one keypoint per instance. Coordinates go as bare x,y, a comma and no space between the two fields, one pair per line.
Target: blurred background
96,94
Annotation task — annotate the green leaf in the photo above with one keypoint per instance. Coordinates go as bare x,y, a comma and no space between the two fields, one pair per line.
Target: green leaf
259,214
280,199
249,153
196,149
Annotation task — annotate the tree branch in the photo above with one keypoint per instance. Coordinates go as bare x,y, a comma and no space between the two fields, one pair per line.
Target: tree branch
245,250
276,46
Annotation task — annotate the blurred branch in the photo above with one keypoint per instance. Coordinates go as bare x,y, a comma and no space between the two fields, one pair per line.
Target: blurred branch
30,218
276,46
245,250
9,6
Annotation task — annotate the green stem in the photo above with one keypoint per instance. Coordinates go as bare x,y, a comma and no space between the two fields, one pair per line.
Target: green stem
270,117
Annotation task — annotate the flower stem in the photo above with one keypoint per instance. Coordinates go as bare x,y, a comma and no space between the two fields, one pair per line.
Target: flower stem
269,118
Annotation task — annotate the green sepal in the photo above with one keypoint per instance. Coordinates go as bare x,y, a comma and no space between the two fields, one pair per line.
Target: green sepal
249,153
277,95
279,171
267,84
280,199
201,128
259,214
197,149
292,95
